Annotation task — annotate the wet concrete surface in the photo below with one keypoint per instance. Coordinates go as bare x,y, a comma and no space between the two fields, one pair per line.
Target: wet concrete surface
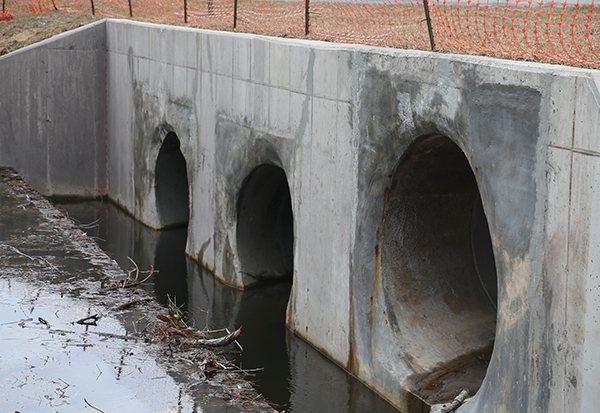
51,276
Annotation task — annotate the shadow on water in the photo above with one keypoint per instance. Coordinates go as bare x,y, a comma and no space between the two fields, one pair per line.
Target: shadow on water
294,376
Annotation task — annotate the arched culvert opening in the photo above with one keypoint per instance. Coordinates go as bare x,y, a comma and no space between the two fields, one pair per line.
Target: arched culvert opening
265,225
438,271
172,192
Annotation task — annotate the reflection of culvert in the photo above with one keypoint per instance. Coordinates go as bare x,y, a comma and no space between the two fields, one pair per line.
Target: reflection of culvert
438,272
172,192
265,226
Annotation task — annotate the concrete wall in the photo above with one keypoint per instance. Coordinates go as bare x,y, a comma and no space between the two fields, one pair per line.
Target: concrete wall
53,113
234,111
343,122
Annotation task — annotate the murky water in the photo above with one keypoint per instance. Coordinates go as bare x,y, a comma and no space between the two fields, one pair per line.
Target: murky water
61,367
49,363
295,375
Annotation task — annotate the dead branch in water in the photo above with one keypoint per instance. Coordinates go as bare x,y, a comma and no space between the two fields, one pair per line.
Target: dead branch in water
221,341
89,321
93,407
136,269
21,253
174,324
129,282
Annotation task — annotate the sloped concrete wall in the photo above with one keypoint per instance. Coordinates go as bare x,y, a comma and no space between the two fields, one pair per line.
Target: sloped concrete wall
53,113
341,121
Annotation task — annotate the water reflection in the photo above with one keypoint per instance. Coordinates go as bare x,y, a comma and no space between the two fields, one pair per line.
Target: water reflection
261,313
295,375
16,208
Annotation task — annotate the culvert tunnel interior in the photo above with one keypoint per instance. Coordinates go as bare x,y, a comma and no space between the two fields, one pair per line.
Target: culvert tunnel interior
438,270
265,226
172,191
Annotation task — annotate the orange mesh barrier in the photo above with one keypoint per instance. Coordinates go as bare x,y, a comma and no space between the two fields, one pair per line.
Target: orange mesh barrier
82,6
382,23
271,17
26,6
209,13
551,30
546,30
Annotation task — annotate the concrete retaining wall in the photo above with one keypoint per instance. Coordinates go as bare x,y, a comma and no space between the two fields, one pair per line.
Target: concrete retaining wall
53,113
371,142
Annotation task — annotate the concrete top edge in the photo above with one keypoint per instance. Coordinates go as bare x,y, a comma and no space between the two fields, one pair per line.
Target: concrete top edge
61,36
401,53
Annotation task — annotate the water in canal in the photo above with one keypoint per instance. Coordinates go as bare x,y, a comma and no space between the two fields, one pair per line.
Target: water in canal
295,376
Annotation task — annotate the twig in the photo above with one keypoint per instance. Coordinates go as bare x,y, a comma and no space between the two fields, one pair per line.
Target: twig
221,341
89,321
235,341
149,275
16,322
245,371
125,284
17,251
28,256
136,283
66,384
205,311
95,408
221,330
29,201
137,269
458,400
91,225
48,262
98,333
122,337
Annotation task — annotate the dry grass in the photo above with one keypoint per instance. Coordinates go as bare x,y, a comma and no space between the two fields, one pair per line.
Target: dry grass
27,29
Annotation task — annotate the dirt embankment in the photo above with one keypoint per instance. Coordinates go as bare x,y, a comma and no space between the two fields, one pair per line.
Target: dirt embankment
27,29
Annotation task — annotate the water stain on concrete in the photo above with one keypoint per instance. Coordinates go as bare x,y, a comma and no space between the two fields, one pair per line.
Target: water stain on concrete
447,380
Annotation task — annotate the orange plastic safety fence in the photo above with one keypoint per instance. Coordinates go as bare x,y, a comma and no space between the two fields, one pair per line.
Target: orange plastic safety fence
163,11
271,17
82,6
6,15
382,23
210,13
27,6
551,30
559,31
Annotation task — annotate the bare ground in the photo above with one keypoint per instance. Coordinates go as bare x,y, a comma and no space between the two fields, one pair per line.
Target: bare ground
27,29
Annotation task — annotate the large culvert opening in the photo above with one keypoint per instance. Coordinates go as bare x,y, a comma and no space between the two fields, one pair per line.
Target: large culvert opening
438,270
171,184
265,226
